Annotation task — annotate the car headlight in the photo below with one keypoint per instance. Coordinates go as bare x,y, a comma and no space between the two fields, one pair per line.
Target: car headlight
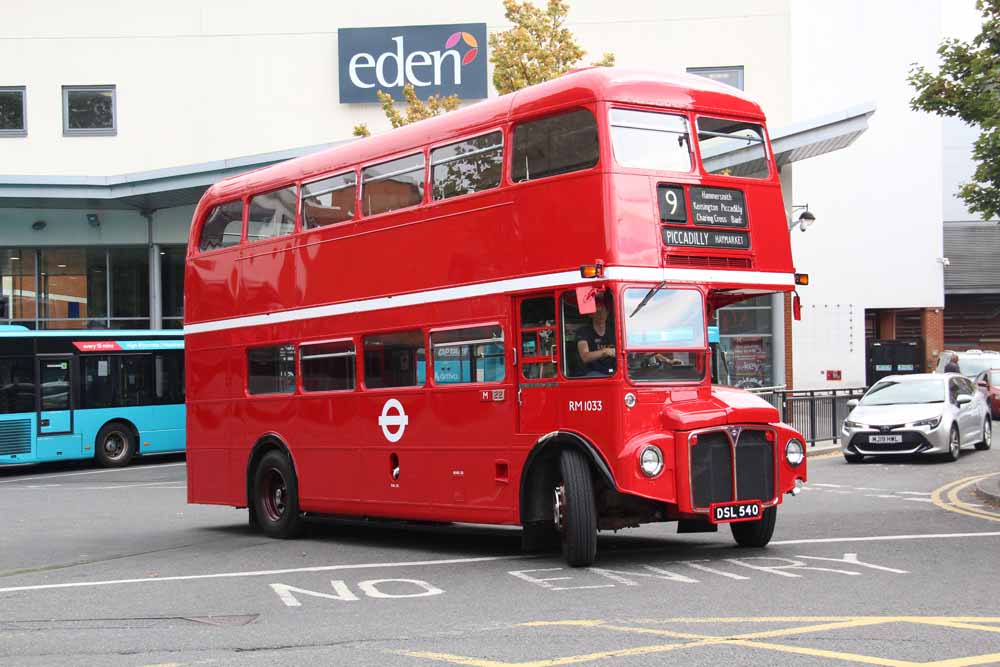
651,461
849,424
933,422
795,452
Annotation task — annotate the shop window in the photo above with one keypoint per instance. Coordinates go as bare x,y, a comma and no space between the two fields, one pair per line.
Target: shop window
13,115
89,111
329,201
73,288
467,166
393,185
172,285
129,287
394,360
554,145
473,354
271,370
328,366
271,214
223,227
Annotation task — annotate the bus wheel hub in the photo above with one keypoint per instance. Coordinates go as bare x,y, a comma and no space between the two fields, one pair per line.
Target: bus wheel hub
559,506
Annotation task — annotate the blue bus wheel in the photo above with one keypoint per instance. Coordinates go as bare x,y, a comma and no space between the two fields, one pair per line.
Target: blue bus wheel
115,445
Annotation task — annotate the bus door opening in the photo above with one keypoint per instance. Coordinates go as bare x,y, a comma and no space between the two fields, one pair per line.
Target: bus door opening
537,353
55,393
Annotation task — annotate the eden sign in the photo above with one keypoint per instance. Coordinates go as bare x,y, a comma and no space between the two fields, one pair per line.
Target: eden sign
434,59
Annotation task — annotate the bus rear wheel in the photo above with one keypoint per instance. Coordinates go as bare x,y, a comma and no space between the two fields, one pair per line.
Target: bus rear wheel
574,510
276,497
755,533
115,445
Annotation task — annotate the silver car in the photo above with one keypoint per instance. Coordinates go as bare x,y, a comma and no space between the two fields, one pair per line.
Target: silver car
929,413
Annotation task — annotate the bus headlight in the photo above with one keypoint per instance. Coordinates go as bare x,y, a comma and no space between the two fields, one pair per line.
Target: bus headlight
795,452
651,461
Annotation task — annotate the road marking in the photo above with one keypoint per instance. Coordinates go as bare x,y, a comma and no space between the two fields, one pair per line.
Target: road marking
953,503
885,538
915,493
832,486
90,472
261,573
920,500
752,640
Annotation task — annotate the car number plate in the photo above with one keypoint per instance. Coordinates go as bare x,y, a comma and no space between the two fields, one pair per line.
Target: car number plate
743,510
884,439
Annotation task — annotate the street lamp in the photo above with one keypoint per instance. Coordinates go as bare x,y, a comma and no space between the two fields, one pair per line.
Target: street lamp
805,219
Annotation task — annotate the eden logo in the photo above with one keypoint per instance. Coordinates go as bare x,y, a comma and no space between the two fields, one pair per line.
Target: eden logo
435,60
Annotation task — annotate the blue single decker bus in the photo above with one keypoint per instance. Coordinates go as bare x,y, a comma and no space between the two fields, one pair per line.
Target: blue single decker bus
102,394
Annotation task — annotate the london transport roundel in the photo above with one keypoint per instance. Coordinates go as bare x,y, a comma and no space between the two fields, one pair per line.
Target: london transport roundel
393,420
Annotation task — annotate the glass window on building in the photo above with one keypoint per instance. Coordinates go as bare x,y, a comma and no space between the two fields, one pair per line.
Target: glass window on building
89,111
13,121
129,287
745,355
72,288
17,286
172,284
731,76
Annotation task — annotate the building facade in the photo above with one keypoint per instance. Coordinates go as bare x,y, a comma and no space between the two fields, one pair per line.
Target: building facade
113,121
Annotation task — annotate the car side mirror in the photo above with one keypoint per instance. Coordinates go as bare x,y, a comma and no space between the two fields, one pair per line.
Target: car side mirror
963,399
853,403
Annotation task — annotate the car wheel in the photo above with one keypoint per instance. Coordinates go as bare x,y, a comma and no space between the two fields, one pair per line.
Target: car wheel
755,533
954,445
987,440
276,497
115,445
574,510
853,458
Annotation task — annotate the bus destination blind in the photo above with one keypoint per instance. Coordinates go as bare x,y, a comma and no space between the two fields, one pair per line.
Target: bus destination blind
706,238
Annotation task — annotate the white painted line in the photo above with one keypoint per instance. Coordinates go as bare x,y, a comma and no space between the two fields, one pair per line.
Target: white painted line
881,538
834,486
870,488
920,500
89,472
262,573
914,493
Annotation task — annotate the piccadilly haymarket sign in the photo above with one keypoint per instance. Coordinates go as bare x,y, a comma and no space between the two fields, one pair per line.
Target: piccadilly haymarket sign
434,59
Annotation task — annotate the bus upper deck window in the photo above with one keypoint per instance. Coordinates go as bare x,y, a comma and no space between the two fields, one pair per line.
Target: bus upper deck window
271,214
650,140
223,227
554,145
732,148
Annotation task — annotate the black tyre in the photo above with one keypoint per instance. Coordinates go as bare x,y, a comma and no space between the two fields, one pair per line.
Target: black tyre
276,497
954,445
987,440
755,533
574,510
853,458
115,445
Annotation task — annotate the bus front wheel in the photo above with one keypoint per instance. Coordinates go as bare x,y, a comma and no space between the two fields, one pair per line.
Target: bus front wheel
755,533
276,497
574,510
115,445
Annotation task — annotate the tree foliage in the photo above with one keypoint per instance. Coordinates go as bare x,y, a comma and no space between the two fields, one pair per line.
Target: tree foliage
967,86
416,109
537,48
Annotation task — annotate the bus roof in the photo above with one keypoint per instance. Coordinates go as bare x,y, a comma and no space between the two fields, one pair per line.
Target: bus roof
23,332
684,92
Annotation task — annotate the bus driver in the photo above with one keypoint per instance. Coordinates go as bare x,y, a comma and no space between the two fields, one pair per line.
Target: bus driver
596,343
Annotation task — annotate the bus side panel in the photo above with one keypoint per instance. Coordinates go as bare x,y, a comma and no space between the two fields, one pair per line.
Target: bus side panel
214,277
210,414
327,449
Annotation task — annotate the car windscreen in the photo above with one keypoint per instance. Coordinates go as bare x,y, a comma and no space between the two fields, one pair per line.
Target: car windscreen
890,392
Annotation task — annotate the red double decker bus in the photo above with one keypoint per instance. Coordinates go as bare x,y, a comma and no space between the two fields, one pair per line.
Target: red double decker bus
496,316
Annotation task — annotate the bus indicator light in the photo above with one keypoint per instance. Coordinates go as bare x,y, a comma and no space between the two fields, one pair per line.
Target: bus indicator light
801,278
592,271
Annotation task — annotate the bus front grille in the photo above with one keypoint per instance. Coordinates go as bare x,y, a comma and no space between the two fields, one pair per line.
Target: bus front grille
739,455
711,469
15,436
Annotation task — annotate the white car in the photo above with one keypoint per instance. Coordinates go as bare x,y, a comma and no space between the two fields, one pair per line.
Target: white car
928,413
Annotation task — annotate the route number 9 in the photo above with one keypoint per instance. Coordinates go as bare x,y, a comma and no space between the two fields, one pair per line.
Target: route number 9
671,200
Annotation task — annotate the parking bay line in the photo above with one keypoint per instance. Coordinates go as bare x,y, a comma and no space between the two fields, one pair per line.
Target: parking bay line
450,561
90,472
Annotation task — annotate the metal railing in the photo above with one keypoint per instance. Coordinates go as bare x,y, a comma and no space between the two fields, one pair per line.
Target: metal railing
817,414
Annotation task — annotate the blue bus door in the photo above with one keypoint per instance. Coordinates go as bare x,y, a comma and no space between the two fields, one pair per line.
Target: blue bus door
55,399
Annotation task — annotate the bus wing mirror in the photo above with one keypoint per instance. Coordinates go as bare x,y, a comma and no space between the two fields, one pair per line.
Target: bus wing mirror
586,300
796,307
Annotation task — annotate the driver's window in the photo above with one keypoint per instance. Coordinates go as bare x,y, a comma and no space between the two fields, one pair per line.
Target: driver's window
953,391
588,340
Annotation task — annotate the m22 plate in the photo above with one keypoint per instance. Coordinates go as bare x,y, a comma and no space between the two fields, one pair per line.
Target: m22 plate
742,510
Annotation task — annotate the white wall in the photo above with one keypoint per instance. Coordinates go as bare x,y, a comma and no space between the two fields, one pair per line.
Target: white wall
201,80
878,203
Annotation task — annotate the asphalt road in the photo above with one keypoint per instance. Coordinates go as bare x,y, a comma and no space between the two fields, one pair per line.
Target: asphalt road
878,563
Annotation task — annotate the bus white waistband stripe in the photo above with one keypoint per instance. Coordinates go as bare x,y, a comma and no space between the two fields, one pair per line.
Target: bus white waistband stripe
562,278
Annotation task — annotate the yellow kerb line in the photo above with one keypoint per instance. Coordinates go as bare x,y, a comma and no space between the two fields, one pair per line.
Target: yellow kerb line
959,507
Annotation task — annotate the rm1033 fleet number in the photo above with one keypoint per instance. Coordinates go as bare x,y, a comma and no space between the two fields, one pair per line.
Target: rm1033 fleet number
586,406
